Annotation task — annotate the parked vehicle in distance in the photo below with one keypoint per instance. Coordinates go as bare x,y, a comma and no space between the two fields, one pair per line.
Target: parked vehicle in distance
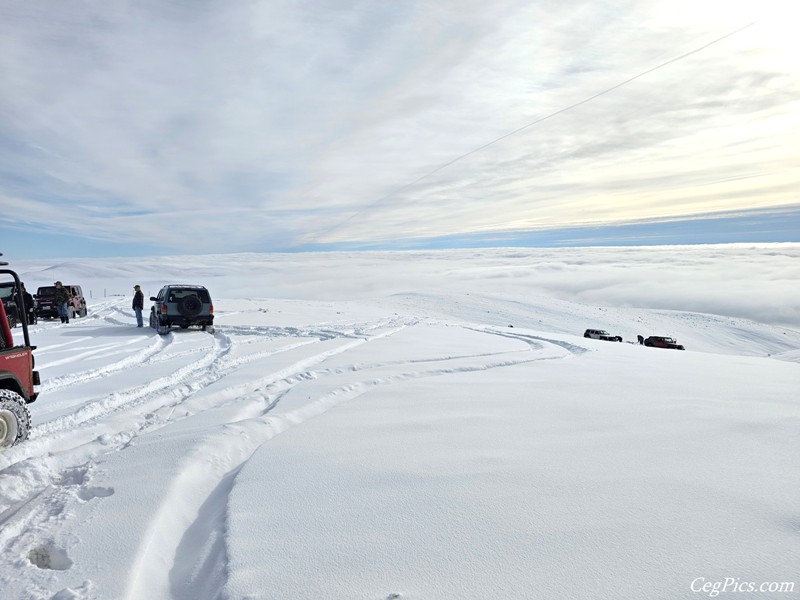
183,305
17,376
8,295
658,341
601,334
46,306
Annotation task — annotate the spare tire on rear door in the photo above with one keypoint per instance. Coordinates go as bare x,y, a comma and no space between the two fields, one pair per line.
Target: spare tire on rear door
190,306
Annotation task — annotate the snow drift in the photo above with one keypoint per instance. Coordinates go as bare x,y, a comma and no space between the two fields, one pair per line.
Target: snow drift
409,426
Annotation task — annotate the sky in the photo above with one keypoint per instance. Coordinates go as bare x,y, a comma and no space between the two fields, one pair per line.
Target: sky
153,127
411,441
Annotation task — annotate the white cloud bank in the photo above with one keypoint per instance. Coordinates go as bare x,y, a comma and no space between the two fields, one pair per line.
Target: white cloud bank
751,281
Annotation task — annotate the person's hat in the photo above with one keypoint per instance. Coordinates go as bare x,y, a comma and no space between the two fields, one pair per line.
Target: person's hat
136,287
58,283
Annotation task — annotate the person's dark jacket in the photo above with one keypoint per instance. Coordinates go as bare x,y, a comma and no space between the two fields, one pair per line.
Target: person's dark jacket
27,299
62,295
138,300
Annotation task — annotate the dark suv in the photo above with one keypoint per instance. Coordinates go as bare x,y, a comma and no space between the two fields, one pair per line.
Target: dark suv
46,302
659,341
181,305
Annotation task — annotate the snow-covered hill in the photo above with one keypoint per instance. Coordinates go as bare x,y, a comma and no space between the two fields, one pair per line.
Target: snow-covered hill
412,426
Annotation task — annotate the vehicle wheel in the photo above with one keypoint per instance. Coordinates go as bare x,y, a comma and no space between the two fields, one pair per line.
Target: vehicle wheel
162,328
153,322
190,306
15,420
84,311
184,326
12,321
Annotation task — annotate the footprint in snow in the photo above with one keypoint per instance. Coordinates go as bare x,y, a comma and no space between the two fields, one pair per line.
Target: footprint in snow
49,557
74,477
90,493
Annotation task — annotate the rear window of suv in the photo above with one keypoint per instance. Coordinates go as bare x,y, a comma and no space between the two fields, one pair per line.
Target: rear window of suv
175,294
46,291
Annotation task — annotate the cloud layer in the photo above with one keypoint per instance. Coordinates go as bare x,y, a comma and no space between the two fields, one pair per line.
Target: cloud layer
756,281
273,125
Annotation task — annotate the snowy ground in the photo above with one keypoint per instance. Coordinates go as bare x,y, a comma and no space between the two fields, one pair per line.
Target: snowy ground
416,426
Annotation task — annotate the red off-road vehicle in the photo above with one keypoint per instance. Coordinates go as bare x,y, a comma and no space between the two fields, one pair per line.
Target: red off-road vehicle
659,341
17,377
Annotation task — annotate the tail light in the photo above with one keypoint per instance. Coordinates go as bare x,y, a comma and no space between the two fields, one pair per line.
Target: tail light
163,309
211,309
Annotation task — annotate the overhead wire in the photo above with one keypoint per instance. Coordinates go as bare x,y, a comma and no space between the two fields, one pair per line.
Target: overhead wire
536,122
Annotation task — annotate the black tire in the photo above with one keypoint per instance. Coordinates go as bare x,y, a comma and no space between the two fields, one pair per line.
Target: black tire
184,326
153,322
190,306
15,420
162,328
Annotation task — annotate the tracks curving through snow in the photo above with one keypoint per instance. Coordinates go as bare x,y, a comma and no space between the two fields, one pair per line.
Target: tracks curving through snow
252,378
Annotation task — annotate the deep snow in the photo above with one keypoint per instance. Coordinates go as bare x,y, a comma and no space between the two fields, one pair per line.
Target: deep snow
414,425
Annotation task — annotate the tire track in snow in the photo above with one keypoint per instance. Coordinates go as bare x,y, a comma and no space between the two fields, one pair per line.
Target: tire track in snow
167,391
532,340
259,422
181,382
214,463
36,476
35,469
51,384
204,471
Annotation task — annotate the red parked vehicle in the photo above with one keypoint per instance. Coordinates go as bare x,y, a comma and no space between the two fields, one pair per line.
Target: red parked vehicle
657,341
17,376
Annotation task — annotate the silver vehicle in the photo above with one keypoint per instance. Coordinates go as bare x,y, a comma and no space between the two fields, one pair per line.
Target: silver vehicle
182,305
601,334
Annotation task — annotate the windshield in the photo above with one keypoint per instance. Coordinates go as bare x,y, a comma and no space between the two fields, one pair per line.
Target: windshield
46,291
6,291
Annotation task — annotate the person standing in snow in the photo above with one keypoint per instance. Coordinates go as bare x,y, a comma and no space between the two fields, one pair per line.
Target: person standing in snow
26,301
138,305
62,298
